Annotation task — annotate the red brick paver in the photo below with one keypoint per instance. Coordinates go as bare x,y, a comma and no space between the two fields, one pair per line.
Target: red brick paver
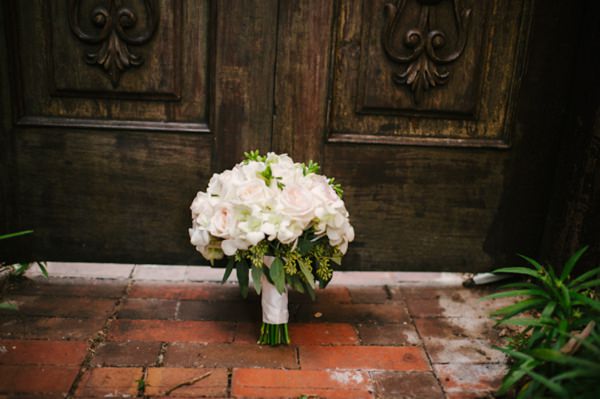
54,328
109,381
402,385
181,354
197,291
159,380
323,334
42,352
268,383
79,307
400,358
147,309
171,331
128,353
37,379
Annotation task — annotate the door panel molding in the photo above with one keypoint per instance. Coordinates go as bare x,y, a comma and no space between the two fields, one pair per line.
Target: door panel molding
169,91
459,87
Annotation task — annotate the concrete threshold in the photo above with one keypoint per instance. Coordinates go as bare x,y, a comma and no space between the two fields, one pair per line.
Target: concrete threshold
178,273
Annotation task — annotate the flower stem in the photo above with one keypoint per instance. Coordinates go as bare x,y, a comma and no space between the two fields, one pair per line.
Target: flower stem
274,334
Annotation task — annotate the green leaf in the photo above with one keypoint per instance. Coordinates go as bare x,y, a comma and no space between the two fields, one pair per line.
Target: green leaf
228,270
519,285
571,374
8,306
551,385
584,277
533,262
587,301
307,274
548,309
519,307
17,234
242,275
555,356
566,296
525,292
310,291
323,284
278,275
337,260
296,284
589,284
527,322
43,268
571,263
256,278
305,245
19,269
514,376
519,270
515,354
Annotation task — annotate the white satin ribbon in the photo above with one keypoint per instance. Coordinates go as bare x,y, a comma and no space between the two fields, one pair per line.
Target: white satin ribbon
274,304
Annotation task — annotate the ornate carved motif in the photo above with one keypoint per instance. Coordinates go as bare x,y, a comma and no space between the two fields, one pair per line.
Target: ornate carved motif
424,66
113,21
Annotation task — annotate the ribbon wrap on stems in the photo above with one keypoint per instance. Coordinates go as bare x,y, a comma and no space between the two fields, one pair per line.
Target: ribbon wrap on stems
275,314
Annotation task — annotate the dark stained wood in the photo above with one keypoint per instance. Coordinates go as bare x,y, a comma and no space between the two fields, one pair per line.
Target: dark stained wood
109,195
59,88
106,172
303,47
574,215
471,106
450,207
245,45
7,170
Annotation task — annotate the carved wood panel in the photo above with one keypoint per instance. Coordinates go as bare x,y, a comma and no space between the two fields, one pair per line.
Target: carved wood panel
427,72
131,64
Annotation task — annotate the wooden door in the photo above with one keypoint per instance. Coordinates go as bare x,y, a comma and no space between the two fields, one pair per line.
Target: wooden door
117,112
440,118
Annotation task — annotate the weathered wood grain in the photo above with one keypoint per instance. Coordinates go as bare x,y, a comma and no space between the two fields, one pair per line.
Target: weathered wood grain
59,87
257,74
574,214
6,153
245,46
303,48
110,196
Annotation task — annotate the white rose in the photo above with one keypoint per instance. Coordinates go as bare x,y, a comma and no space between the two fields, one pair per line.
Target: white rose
251,170
319,186
296,202
222,224
253,191
230,247
199,237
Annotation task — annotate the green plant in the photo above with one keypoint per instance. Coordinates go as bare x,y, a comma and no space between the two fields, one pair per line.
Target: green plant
552,310
17,270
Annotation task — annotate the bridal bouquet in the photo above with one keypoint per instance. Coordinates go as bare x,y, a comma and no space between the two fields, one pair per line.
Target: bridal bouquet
277,221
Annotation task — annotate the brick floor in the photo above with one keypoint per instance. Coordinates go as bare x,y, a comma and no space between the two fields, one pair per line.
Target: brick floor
352,342
269,383
42,352
160,380
109,382
405,358
185,354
